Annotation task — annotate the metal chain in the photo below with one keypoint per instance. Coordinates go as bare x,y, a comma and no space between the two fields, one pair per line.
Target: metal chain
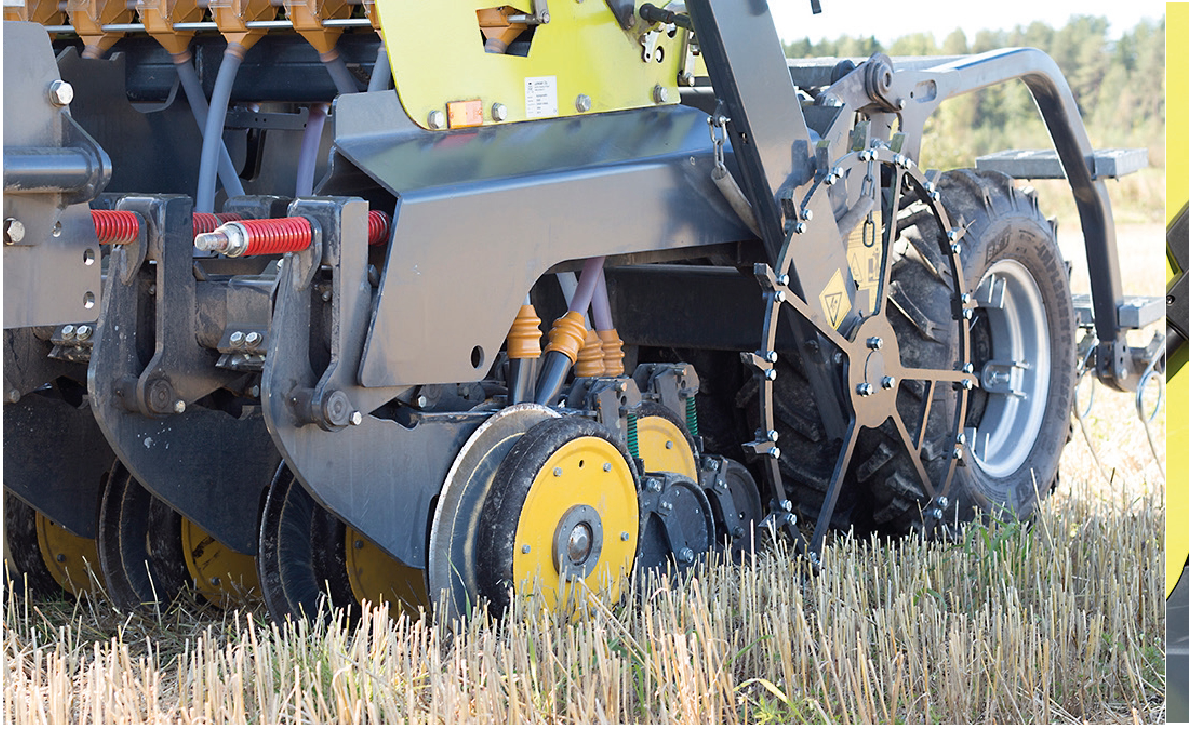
1084,363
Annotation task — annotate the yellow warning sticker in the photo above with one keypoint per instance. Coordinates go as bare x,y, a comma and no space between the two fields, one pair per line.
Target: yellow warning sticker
834,300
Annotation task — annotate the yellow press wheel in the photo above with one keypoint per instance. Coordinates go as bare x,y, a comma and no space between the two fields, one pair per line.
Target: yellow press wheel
42,557
376,577
562,515
224,577
72,560
665,445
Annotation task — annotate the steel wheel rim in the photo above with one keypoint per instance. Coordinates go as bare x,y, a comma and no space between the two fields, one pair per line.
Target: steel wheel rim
1012,421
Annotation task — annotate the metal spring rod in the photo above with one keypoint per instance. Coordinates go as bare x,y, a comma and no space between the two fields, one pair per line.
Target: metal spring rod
210,26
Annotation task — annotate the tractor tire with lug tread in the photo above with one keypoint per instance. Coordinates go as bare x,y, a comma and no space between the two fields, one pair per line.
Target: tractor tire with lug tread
1006,239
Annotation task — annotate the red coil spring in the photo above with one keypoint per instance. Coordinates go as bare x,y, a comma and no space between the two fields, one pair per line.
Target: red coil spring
273,236
205,223
115,227
377,228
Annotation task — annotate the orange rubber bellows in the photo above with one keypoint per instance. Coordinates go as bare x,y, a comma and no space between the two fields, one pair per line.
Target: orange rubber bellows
613,353
524,338
88,17
590,357
568,335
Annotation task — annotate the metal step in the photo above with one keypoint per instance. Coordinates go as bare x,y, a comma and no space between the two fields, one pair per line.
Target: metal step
1137,311
1036,164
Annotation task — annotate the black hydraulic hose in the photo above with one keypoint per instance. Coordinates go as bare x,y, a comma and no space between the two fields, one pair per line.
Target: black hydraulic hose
520,379
213,133
344,82
308,154
382,73
198,105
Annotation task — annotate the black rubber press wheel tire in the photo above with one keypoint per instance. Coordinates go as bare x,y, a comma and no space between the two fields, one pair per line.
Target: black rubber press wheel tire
1022,351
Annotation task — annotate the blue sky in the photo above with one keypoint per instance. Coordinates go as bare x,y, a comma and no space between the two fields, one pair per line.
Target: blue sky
889,19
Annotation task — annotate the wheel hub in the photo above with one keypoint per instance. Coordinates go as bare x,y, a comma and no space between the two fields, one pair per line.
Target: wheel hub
578,542
874,371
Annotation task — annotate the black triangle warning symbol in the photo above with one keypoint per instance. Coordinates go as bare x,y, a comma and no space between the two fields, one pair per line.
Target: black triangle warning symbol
833,302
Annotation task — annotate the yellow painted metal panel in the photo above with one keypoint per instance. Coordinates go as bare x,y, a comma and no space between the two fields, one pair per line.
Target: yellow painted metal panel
437,55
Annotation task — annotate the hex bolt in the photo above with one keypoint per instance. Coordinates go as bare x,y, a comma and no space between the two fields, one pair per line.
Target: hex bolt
799,228
771,357
956,248
252,339
60,557
583,103
738,533
83,333
687,78
943,502
624,536
180,406
526,549
968,368
720,484
888,383
864,389
783,280
966,298
660,94
14,396
713,465
14,231
686,555
957,453
807,215
68,333
326,296
875,343
787,505
936,513
968,313
968,384
358,544
499,112
669,444
557,470
357,417
772,435
770,375
780,296
961,440
254,390
436,120
652,485
900,160
60,93
422,401
775,452
237,338
607,468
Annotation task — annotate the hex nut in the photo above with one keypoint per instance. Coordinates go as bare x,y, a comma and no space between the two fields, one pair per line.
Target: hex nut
237,338
61,93
14,231
499,112
582,103
660,94
252,339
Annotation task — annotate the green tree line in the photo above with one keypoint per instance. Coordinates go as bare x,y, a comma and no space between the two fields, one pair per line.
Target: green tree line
1119,86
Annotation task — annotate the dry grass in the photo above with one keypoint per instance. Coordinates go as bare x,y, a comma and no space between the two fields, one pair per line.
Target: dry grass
1061,620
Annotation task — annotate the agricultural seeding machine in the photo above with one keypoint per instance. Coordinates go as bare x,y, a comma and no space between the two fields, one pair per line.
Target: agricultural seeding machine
274,274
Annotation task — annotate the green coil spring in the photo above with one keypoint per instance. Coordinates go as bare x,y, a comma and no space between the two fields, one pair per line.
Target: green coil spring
633,444
691,416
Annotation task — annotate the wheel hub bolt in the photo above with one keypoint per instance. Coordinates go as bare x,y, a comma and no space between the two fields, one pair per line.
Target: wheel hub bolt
557,470
888,383
526,549
669,444
607,468
864,389
624,536
875,343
